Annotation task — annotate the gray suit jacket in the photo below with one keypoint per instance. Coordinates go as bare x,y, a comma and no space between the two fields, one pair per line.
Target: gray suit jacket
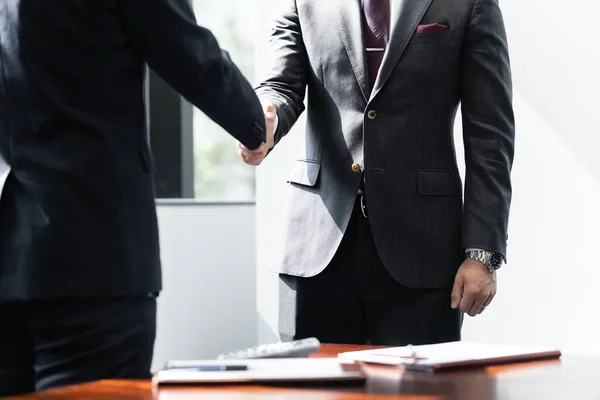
400,133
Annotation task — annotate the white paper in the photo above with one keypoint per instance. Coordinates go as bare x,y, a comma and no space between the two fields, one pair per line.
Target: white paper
273,369
443,353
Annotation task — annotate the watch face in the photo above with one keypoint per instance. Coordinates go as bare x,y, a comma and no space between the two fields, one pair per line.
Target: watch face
496,261
491,260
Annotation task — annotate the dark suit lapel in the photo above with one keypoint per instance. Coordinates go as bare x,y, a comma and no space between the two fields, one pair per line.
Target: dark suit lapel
349,20
411,12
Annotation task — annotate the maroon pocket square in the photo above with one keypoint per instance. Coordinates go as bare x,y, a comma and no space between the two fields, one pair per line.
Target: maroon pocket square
431,28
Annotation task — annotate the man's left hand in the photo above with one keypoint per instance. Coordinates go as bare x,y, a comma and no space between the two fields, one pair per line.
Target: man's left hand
474,288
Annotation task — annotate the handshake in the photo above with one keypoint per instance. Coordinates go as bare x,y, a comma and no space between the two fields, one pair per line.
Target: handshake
256,156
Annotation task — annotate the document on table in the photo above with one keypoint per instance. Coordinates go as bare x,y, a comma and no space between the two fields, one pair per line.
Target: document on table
259,370
451,355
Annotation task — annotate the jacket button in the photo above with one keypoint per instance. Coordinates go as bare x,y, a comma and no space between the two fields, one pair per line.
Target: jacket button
356,167
372,114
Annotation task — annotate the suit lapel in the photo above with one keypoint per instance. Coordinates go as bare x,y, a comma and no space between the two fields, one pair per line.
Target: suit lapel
350,25
411,12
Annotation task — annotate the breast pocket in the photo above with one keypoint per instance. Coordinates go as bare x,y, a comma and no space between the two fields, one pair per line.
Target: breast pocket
423,38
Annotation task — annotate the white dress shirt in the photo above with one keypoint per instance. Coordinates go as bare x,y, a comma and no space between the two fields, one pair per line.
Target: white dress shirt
4,171
394,10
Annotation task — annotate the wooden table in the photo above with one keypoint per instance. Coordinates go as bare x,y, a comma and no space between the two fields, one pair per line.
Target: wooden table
576,378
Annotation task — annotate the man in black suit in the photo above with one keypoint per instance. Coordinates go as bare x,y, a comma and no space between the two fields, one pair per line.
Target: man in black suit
381,241
79,253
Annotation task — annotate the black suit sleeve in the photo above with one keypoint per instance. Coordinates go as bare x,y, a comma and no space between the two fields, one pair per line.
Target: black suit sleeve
189,58
488,129
285,83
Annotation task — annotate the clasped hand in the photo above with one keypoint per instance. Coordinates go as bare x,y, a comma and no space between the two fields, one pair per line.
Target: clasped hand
256,156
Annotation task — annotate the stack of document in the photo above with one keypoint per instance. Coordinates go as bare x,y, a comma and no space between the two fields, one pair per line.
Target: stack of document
271,370
451,355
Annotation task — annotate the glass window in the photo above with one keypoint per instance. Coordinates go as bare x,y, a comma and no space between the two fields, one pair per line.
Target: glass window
219,174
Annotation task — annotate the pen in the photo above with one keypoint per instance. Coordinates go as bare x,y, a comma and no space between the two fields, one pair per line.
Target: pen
412,354
212,368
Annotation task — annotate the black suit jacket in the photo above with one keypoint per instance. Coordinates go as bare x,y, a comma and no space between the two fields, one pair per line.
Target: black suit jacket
397,132
77,214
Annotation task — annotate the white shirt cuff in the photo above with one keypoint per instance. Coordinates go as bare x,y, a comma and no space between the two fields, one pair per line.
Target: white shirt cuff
275,123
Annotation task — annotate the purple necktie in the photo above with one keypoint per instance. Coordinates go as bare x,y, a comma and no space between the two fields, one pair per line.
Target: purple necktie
376,33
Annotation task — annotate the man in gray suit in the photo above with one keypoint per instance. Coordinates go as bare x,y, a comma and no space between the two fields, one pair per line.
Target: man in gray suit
379,245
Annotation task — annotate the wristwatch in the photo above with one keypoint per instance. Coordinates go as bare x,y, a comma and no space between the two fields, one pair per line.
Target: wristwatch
490,259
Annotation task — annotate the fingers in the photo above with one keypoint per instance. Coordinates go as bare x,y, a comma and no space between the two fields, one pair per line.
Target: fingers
255,157
474,288
469,297
480,301
457,291
476,298
241,152
487,302
484,305
252,157
269,110
270,114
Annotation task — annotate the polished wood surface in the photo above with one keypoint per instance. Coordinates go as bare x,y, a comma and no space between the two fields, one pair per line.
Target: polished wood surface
568,378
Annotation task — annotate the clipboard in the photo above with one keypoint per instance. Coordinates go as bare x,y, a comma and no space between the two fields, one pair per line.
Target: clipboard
274,370
451,355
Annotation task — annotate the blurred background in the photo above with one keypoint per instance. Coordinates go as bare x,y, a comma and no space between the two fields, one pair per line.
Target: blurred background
218,216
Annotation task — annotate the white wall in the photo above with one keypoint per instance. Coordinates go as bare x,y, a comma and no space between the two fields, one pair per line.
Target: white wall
547,292
271,185
270,188
209,268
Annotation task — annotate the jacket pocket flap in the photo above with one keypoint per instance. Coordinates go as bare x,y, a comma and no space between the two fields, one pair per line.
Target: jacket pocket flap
440,36
439,183
305,172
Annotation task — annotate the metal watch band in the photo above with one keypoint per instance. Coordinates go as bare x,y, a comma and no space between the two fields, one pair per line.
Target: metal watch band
490,259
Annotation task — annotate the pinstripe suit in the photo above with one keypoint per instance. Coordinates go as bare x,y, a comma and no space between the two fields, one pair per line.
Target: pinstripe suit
397,132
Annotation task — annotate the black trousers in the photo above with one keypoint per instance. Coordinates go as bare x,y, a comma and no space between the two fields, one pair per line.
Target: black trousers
356,301
52,343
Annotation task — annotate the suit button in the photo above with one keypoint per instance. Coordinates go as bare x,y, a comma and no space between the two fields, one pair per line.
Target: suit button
372,114
356,167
